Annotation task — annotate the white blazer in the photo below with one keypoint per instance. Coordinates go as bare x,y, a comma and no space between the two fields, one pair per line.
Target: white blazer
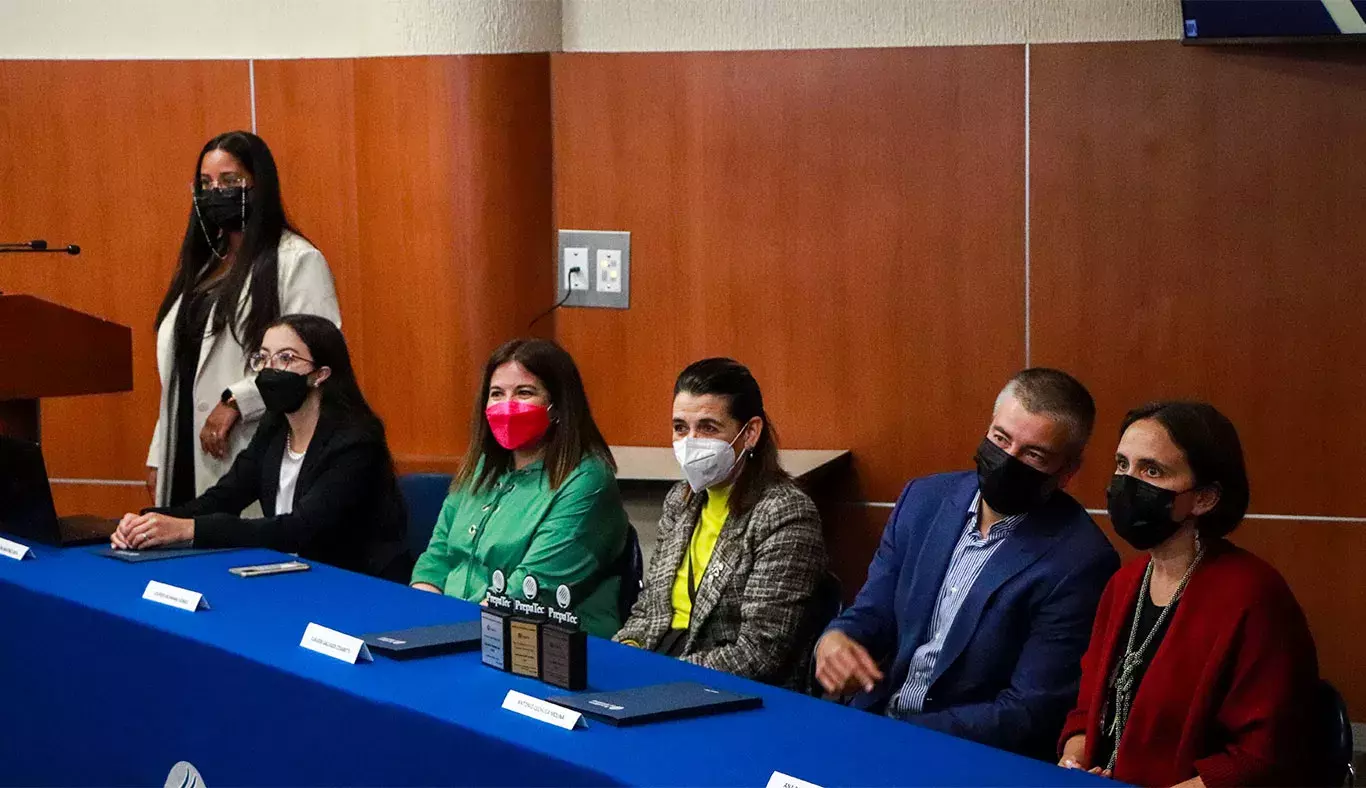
305,287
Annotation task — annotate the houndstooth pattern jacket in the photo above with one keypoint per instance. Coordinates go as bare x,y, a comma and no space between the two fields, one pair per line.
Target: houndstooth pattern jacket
751,615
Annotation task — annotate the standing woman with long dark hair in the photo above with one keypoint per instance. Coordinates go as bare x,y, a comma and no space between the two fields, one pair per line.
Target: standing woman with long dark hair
319,467
242,265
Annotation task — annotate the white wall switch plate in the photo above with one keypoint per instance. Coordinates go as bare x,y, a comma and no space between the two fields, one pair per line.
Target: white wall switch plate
609,270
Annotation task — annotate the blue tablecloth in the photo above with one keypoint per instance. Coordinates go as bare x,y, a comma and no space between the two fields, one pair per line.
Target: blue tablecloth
99,687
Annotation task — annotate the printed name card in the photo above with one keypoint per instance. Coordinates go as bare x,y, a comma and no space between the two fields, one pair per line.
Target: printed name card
538,709
14,550
175,597
780,780
335,644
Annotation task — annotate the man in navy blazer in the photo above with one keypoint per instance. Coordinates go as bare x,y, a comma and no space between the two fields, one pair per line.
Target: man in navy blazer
980,598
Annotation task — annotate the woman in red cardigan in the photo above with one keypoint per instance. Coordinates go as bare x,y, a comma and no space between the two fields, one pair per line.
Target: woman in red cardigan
1201,665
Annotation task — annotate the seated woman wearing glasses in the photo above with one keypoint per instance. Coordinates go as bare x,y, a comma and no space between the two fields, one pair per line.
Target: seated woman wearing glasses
318,465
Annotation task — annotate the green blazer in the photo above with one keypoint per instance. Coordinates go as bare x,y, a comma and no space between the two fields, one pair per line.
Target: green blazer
570,536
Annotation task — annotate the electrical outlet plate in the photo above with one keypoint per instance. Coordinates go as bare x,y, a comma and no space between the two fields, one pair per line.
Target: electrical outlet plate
606,260
574,264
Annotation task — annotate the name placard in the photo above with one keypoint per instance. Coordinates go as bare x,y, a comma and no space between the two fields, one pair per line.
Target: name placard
175,597
780,780
538,709
14,550
335,644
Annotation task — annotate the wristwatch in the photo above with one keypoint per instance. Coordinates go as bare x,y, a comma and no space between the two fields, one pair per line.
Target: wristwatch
226,398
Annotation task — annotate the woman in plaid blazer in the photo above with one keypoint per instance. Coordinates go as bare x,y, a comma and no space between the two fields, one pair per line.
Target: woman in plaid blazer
740,552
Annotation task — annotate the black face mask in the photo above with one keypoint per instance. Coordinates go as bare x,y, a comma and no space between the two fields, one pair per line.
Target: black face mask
224,209
1008,485
1141,512
282,391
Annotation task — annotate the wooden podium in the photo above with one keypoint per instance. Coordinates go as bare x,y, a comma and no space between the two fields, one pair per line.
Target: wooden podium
48,350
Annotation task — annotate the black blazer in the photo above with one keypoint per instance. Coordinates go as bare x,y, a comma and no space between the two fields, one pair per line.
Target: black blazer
347,511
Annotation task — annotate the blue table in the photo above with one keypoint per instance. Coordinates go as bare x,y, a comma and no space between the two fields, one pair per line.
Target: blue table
98,686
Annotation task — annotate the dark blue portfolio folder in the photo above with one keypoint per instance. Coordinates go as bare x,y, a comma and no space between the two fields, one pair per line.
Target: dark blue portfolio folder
657,702
425,641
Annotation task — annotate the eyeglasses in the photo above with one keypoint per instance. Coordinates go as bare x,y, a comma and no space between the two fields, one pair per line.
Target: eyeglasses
230,180
282,360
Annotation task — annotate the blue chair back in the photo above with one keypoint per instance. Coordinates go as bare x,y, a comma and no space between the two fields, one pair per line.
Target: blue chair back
826,604
632,566
1339,732
423,493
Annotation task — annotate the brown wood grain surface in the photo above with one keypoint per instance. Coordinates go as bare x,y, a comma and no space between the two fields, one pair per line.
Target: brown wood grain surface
426,183
847,223
48,350
102,154
1195,234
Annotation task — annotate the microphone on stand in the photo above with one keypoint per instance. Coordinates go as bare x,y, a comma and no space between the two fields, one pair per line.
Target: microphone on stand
38,245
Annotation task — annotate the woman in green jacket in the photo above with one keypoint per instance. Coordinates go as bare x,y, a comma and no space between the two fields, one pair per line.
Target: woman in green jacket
536,494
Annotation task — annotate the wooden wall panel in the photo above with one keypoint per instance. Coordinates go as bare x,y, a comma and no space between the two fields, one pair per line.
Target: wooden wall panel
426,183
1195,234
848,223
1322,563
852,533
305,111
102,154
99,499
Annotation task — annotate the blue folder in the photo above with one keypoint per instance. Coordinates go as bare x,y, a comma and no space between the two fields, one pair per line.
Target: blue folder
657,702
426,641
138,556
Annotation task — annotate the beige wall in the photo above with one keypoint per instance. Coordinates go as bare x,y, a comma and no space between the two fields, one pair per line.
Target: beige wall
265,29
685,25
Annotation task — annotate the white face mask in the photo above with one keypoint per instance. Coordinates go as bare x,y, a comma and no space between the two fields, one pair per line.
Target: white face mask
705,461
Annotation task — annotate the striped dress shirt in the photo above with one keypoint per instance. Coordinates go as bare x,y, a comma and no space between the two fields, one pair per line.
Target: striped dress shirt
970,556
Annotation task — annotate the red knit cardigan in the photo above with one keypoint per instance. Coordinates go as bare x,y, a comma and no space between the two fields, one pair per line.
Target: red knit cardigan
1227,694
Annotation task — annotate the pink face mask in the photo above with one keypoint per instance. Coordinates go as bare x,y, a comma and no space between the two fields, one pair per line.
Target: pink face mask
517,425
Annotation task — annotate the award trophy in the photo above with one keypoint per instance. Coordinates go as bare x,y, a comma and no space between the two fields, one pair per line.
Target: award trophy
564,647
496,621
525,631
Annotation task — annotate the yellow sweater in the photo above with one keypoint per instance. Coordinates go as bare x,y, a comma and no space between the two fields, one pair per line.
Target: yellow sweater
700,548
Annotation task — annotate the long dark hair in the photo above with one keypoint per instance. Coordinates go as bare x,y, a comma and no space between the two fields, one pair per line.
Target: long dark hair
573,434
1214,453
731,381
341,395
344,405
257,258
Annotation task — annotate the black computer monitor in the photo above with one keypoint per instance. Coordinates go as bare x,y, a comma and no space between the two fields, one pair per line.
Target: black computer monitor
26,508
